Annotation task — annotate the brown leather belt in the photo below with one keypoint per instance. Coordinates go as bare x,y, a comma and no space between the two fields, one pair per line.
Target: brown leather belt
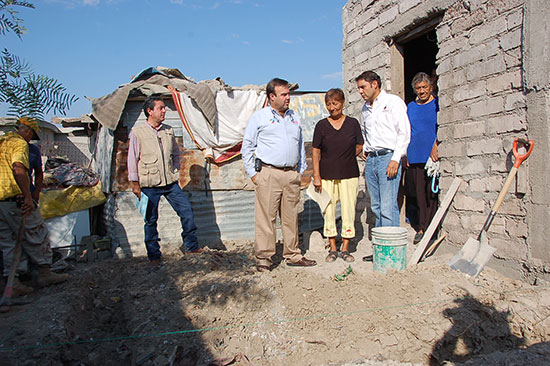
283,168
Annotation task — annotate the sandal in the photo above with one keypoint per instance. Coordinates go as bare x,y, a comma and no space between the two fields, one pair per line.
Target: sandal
347,257
331,257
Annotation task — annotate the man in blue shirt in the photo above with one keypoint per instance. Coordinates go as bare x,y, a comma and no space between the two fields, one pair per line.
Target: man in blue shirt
274,157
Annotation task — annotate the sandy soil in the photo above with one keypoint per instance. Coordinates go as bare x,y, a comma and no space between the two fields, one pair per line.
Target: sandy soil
215,309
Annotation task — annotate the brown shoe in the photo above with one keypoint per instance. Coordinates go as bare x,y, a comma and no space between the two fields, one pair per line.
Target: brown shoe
46,277
198,251
304,262
262,268
19,289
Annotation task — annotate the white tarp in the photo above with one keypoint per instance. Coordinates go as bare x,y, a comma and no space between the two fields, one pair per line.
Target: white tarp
233,111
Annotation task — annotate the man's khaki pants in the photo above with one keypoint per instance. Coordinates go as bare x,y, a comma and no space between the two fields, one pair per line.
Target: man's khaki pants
277,191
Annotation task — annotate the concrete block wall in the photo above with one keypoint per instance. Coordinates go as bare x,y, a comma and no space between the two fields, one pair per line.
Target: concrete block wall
484,106
483,110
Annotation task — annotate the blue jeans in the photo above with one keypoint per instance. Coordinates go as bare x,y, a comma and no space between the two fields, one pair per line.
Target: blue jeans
382,190
180,203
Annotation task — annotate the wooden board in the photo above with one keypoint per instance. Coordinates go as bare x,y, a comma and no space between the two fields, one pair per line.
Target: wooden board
417,255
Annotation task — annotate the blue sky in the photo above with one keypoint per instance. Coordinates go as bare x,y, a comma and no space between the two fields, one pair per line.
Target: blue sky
93,46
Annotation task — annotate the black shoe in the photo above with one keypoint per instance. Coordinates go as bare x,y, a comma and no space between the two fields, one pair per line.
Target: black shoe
367,258
417,238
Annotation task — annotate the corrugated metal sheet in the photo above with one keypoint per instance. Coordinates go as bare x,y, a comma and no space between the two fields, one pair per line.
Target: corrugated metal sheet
219,215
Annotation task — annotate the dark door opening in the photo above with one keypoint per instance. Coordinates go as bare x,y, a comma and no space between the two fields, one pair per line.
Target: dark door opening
419,50
419,54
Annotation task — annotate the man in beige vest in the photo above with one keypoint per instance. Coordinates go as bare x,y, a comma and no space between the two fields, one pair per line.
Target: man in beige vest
153,170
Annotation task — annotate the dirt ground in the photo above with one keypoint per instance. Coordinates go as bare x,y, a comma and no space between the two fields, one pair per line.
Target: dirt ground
215,309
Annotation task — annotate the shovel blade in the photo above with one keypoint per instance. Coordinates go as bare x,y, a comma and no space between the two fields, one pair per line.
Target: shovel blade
473,256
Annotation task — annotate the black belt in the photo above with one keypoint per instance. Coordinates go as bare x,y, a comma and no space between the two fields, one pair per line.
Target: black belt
379,152
283,168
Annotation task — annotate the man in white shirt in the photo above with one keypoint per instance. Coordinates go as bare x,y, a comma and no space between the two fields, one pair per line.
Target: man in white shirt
387,133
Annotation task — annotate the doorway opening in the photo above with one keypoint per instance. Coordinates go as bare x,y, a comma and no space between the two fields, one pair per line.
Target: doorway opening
419,55
412,53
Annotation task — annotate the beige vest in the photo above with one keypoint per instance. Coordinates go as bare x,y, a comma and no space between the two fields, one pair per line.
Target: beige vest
155,167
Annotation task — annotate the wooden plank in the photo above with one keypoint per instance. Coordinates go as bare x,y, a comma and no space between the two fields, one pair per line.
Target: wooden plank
417,255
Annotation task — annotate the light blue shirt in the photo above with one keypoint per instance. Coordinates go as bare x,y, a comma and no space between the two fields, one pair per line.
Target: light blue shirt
275,140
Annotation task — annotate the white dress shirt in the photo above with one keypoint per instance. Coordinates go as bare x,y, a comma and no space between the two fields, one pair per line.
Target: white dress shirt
386,125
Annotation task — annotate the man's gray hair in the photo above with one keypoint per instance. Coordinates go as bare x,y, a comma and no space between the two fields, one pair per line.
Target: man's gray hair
420,77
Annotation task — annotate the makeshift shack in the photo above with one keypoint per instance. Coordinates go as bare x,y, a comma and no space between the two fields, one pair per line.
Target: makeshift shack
209,119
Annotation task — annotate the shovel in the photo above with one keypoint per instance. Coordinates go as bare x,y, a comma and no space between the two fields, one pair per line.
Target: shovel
475,254
6,300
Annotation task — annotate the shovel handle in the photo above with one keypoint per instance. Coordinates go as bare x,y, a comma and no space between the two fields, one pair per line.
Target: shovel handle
528,144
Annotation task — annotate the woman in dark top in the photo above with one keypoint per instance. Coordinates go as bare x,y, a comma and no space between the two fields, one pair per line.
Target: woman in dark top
423,146
337,140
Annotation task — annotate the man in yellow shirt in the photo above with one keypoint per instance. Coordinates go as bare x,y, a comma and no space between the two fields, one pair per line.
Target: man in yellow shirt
16,202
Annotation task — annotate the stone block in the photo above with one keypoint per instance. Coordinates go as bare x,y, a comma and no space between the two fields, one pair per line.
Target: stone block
362,57
466,57
506,123
353,36
471,129
475,222
446,167
444,65
514,19
516,228
451,113
356,10
490,48
389,15
469,166
515,100
513,58
445,133
486,107
486,146
470,91
370,26
363,18
405,5
449,149
511,40
494,183
512,206
509,248
443,32
444,183
452,219
466,203
486,68
504,82
487,30
499,166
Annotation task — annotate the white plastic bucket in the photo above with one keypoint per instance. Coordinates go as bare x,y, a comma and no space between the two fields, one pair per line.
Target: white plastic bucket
389,248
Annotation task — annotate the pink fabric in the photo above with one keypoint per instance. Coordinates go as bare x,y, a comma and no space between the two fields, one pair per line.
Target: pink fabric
133,154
